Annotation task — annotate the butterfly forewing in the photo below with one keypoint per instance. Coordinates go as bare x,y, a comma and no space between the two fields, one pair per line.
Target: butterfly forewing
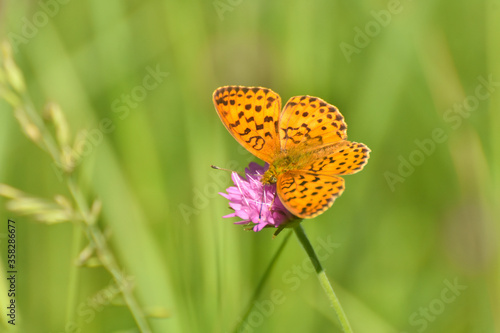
307,195
251,115
309,121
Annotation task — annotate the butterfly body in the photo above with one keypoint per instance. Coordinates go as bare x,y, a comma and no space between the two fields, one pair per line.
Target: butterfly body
305,144
284,162
294,159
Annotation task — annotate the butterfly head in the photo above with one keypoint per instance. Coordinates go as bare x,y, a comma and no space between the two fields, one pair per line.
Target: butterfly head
270,176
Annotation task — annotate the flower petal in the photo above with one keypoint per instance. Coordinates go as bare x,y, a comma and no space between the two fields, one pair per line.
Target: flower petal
255,202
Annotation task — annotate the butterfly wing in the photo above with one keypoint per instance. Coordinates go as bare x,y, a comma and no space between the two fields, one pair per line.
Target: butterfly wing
251,115
345,158
310,122
307,195
312,190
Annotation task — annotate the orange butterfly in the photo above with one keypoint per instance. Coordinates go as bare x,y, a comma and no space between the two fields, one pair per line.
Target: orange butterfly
305,144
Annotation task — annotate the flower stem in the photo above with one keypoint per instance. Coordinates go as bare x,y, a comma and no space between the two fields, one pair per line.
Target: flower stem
242,322
323,279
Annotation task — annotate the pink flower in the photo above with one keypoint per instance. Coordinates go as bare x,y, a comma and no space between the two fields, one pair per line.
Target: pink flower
254,202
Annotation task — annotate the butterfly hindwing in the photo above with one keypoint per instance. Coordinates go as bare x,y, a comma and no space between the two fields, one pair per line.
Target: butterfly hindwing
307,195
251,115
345,158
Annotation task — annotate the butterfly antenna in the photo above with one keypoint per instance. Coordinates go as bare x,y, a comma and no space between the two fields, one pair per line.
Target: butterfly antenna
219,168
224,169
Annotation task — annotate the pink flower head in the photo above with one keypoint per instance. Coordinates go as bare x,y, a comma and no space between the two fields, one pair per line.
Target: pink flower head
255,202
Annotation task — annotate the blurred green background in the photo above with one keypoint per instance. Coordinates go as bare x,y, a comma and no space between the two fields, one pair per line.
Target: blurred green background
413,241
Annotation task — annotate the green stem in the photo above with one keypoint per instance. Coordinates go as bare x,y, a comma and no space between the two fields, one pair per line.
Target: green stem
106,257
261,284
94,234
323,279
